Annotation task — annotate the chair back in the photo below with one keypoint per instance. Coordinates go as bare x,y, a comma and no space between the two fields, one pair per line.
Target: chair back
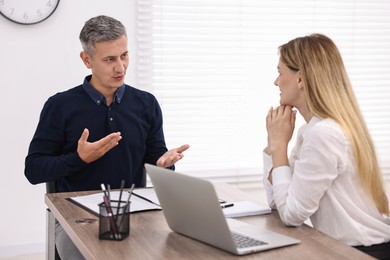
51,187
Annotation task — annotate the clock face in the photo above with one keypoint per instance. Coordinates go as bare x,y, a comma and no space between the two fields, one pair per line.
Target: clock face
28,11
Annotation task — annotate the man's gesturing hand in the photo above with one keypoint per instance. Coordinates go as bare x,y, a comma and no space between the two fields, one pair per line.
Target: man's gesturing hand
172,156
90,152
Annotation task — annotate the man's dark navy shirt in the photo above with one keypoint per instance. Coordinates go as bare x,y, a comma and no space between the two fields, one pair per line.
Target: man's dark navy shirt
53,153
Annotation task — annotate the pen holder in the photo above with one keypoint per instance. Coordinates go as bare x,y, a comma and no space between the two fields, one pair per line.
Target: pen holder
114,220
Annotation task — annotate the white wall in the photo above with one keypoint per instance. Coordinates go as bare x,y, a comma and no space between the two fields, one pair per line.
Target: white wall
36,61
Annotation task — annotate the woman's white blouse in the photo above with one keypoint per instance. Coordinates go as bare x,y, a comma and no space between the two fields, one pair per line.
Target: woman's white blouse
322,184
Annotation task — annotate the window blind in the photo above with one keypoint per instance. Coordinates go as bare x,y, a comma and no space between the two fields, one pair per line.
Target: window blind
212,65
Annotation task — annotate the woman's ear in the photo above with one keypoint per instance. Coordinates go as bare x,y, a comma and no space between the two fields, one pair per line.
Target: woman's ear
300,80
86,59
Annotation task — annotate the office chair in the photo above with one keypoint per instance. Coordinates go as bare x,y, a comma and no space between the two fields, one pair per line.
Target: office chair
51,187
51,250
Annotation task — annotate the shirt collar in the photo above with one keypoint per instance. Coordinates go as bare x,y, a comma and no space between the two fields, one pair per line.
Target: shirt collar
314,120
96,96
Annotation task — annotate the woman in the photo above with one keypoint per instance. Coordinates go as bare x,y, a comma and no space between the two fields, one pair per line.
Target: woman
332,175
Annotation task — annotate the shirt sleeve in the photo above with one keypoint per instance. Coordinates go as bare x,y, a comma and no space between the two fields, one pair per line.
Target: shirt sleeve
297,190
155,143
45,160
267,164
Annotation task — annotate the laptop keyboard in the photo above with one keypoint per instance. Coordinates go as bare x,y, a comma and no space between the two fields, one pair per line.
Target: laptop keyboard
244,241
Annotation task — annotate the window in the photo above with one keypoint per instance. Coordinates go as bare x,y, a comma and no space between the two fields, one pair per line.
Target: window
212,64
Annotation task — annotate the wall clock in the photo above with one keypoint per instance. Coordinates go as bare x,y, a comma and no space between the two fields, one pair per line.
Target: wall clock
28,11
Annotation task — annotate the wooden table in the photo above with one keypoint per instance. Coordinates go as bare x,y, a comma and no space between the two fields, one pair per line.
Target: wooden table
151,238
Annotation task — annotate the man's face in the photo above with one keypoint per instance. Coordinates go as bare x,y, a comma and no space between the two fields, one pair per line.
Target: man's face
108,64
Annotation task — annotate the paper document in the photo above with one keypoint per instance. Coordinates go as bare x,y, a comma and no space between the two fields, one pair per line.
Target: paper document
142,199
245,208
148,194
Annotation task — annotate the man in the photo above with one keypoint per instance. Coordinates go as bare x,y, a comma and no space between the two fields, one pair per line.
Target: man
102,131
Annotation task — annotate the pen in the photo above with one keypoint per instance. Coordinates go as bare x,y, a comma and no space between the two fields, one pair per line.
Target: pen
148,200
120,196
103,189
227,205
221,201
127,205
130,192
110,217
128,198
109,192
109,212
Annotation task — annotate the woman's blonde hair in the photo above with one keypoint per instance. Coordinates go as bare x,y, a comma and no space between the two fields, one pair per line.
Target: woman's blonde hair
329,94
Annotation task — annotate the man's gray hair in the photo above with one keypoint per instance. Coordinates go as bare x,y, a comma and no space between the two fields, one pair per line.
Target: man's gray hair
98,29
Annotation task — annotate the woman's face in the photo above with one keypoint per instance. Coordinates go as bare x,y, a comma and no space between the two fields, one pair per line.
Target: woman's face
290,86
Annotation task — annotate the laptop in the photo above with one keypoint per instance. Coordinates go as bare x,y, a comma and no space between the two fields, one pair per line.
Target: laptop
191,208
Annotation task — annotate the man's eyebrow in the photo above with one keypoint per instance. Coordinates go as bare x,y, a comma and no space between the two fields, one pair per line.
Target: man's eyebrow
109,57
113,56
